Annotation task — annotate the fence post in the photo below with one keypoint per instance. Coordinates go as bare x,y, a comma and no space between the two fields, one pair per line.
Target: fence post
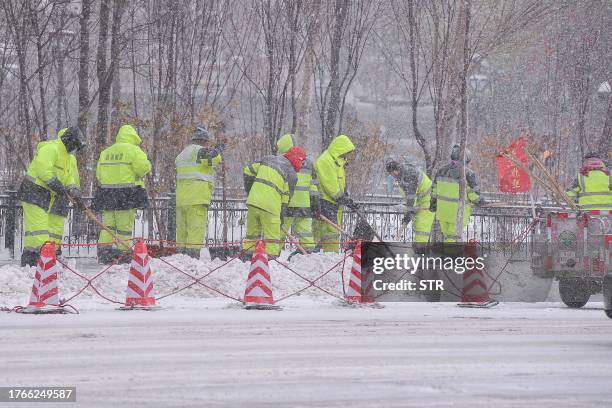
11,221
171,230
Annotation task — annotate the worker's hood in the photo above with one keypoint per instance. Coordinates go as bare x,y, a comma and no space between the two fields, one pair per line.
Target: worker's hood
340,146
61,133
592,164
43,143
285,143
127,134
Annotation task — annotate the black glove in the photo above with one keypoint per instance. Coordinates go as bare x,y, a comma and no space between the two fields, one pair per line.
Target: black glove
344,199
433,205
74,192
220,147
407,218
77,199
480,201
55,185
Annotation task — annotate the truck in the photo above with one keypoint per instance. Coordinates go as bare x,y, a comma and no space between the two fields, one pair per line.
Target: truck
574,247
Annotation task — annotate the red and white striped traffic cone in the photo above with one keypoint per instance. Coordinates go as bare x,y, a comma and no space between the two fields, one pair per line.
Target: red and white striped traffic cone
45,290
258,291
475,292
359,289
139,293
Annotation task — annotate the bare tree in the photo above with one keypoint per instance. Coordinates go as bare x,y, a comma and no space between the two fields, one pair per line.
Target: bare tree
339,54
104,71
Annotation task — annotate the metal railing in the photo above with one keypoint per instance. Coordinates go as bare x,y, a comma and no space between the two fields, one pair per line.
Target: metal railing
227,224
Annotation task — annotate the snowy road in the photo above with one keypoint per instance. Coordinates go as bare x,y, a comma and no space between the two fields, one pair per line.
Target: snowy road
207,353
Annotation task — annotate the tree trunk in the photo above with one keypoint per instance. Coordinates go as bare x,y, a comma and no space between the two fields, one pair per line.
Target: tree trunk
340,14
103,84
414,89
104,73
465,22
84,66
606,134
116,101
40,58
61,80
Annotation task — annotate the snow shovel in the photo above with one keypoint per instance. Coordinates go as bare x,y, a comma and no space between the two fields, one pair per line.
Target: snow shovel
363,231
364,222
90,214
300,249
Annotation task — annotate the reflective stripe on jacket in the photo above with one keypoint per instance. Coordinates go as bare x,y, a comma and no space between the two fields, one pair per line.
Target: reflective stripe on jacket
592,191
446,192
51,161
306,180
123,164
273,184
194,176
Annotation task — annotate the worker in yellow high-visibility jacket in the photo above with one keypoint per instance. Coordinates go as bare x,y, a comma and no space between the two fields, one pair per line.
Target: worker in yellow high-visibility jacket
445,198
305,199
48,179
591,187
416,187
332,187
195,185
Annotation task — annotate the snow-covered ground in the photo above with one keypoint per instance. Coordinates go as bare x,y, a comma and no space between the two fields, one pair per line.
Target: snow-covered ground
201,350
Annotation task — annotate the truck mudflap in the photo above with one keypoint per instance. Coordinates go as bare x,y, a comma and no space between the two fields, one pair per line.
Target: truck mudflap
607,292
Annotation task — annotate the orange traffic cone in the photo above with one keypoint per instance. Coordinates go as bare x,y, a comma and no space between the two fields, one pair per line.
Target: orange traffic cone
475,292
139,293
258,291
45,290
358,291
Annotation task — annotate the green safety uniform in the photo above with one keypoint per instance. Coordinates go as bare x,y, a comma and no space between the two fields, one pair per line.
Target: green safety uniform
416,188
195,167
51,163
299,213
120,173
329,168
269,184
592,191
445,196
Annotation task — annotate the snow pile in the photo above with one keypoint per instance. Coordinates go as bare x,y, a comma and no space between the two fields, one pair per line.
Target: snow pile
16,282
517,281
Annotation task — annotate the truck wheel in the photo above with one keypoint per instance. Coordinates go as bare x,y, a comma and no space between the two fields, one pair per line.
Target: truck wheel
573,293
609,313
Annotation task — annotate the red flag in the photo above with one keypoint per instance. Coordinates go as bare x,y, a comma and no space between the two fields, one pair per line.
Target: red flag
512,179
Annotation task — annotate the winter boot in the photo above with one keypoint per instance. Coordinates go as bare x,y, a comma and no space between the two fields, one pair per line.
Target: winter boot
192,252
246,256
122,257
106,255
29,257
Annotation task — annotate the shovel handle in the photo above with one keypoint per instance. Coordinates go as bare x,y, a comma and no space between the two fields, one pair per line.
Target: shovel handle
90,214
299,247
333,224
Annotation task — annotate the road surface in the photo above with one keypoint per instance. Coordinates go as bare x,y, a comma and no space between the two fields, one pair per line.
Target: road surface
211,353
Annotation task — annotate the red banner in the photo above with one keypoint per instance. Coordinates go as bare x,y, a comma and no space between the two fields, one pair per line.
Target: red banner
512,179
